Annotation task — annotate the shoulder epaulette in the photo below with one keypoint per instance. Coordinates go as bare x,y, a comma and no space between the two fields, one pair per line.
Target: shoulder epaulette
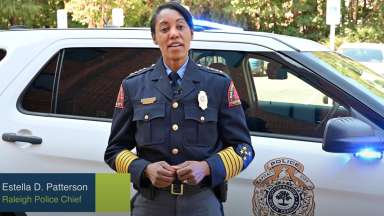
141,71
213,70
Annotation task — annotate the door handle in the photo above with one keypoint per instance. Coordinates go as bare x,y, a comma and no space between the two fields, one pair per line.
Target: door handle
12,137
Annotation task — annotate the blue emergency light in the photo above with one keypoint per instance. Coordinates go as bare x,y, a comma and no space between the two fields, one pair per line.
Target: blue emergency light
369,154
201,25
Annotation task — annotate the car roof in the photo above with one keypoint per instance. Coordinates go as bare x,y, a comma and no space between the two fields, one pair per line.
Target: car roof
17,37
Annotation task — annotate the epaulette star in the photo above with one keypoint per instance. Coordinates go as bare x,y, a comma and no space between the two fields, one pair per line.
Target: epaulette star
214,70
141,71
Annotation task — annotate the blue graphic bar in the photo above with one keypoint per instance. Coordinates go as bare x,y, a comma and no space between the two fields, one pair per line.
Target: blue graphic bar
47,192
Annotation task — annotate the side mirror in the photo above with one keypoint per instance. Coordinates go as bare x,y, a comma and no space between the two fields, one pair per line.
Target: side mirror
349,135
325,99
280,73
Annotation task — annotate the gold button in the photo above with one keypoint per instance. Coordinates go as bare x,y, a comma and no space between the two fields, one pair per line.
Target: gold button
202,118
175,127
175,105
146,117
175,151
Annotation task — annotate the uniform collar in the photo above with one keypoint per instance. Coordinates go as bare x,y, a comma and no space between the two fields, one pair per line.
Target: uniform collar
181,70
191,71
192,75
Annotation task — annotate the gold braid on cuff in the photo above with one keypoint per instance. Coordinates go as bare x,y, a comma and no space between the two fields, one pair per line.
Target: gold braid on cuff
123,160
232,162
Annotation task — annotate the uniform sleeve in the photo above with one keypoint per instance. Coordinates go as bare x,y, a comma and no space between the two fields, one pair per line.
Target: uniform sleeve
237,153
121,141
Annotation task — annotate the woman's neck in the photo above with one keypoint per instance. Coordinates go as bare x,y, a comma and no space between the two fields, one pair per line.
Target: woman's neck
175,65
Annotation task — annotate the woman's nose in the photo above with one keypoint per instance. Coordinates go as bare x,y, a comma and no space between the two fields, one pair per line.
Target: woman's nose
174,32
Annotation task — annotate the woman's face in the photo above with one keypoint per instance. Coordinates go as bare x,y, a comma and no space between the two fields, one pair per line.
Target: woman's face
173,35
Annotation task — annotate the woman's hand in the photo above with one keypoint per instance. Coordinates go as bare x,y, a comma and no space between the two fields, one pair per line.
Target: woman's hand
161,174
192,172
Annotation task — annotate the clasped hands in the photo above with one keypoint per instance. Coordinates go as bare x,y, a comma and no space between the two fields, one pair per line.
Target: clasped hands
162,175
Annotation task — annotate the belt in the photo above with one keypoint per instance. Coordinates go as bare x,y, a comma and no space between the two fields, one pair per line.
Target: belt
179,189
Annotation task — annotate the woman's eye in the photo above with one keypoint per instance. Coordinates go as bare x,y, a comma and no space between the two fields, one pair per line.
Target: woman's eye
180,27
163,30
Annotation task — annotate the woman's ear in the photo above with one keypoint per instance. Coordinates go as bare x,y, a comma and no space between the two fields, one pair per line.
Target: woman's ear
154,39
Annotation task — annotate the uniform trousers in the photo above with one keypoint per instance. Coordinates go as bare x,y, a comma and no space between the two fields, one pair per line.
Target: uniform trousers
202,203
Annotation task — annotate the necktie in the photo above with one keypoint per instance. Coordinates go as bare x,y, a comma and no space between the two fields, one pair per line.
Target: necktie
174,77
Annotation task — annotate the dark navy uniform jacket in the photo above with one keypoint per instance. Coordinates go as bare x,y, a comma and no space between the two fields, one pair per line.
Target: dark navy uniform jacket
176,129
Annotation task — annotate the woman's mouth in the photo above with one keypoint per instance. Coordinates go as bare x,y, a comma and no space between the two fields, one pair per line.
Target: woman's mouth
175,45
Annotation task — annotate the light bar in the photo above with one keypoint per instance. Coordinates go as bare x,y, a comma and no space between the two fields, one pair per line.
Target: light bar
203,24
369,154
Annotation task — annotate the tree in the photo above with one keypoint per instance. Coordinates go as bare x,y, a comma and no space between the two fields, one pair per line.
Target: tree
218,11
18,12
94,13
47,17
98,13
363,21
304,18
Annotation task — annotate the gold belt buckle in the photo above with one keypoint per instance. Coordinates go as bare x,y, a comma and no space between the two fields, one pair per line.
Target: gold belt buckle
174,190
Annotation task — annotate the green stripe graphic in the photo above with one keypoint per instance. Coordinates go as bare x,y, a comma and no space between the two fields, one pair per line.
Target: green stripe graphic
113,192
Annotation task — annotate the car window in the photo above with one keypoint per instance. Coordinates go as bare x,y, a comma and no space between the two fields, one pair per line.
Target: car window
363,54
2,54
38,96
90,78
88,81
288,105
274,99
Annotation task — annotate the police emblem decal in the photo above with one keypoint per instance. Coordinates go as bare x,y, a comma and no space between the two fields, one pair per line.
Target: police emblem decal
283,189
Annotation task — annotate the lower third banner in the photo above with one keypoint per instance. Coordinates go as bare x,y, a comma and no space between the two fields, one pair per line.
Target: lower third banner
59,192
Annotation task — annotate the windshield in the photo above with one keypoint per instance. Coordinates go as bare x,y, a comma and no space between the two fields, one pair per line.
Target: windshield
363,54
355,72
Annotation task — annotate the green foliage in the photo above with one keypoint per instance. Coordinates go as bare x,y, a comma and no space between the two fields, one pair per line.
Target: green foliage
29,13
94,13
362,20
18,12
98,13
363,33
303,18
138,12
47,16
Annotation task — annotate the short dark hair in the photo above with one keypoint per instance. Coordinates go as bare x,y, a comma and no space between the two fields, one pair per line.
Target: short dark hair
173,6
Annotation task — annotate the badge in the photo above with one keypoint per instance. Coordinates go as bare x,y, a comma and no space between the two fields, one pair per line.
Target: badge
283,189
233,96
146,101
120,99
202,98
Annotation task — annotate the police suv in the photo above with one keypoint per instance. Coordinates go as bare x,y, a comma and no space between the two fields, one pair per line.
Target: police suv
316,118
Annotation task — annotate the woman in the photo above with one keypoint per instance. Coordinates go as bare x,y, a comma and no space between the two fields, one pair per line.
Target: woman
186,123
